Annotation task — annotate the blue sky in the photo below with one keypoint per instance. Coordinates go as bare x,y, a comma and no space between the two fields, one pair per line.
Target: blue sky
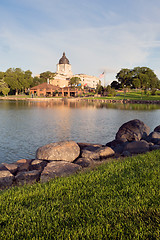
96,35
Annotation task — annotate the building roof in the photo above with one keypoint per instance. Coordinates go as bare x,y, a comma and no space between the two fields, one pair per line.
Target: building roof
63,59
45,86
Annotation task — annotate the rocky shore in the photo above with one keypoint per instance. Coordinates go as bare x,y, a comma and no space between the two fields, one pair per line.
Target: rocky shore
84,99
68,157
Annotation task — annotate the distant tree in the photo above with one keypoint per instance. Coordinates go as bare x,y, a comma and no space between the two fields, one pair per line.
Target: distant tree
124,77
115,85
3,86
136,83
28,79
74,81
100,89
36,81
139,77
109,91
46,75
5,91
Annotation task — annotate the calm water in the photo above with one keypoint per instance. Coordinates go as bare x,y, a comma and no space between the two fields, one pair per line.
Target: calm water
25,126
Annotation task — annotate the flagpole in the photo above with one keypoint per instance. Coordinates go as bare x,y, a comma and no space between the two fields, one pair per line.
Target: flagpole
104,79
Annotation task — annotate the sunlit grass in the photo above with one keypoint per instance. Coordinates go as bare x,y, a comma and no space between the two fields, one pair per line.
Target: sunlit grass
118,200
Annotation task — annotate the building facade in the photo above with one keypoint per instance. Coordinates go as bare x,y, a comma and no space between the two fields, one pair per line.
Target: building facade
64,74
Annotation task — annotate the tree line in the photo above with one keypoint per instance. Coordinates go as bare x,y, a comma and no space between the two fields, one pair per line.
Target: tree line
15,80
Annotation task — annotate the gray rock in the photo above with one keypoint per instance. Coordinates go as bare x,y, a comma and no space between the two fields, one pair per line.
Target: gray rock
58,169
126,154
12,167
89,146
65,151
23,165
2,167
117,145
37,165
137,147
6,179
134,130
93,155
100,153
27,177
154,137
83,162
154,147
157,129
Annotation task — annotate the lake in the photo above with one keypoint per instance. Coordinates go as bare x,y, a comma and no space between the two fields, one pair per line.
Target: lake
27,125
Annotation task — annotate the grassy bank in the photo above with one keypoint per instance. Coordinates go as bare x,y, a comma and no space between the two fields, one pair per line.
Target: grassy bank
134,96
117,200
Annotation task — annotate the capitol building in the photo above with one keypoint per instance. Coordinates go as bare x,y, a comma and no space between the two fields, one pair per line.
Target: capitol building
64,74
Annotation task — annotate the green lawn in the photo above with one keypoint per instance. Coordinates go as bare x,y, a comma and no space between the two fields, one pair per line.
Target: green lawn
117,200
134,96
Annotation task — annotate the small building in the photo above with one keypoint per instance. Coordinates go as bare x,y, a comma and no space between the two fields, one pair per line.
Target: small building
49,90
45,90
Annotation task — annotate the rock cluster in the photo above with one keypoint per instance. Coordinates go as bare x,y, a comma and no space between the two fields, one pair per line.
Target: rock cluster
68,157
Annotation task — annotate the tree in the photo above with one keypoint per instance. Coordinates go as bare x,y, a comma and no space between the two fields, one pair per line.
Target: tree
3,87
109,91
136,83
99,89
74,81
139,77
15,79
115,85
46,75
28,79
124,77
5,91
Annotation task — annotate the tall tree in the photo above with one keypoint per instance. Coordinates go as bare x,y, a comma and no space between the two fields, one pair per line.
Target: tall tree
139,77
15,79
124,77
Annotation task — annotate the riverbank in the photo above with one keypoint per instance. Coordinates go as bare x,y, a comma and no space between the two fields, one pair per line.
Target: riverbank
85,99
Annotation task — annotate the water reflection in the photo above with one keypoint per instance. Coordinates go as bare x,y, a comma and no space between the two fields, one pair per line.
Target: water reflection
24,126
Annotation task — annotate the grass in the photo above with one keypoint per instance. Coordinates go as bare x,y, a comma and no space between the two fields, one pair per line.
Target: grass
117,200
134,96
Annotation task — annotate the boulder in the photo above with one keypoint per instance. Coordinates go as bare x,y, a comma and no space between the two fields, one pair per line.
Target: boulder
134,130
27,177
64,151
154,147
83,162
105,152
117,145
6,179
89,146
12,167
23,165
136,147
58,169
154,137
2,167
99,153
37,165
157,129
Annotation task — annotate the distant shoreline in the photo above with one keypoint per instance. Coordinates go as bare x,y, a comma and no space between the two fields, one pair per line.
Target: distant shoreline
96,100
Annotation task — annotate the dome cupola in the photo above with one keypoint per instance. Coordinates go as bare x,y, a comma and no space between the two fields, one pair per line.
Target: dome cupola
63,59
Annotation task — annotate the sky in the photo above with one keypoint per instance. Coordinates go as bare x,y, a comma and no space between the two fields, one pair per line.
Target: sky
96,35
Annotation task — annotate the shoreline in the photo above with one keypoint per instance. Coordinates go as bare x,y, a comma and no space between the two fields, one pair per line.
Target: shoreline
122,101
